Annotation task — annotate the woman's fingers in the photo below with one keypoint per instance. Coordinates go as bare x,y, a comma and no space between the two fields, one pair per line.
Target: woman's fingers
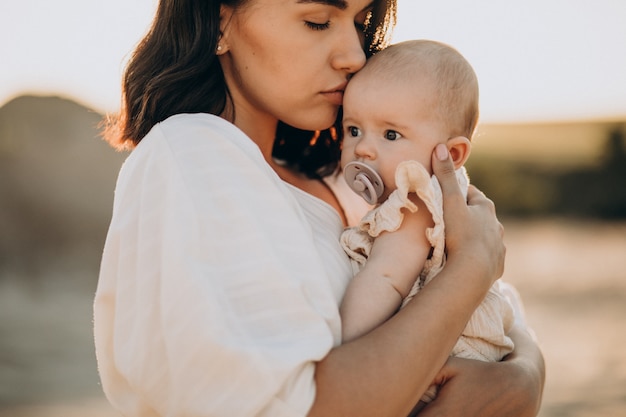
484,210
475,197
471,225
455,211
443,168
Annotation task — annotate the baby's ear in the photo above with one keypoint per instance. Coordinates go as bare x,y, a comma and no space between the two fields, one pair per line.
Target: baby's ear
459,148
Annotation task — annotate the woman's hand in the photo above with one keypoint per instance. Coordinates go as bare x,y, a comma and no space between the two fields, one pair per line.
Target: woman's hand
474,235
511,388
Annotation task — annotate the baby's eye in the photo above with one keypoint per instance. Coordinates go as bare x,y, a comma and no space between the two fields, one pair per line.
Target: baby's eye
353,131
392,135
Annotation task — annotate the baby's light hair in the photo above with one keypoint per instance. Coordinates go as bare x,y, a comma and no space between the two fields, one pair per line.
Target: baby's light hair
453,78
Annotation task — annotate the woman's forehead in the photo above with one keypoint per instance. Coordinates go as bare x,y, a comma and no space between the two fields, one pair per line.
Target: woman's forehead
339,4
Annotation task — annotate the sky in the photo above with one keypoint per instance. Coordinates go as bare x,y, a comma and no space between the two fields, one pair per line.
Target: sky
536,60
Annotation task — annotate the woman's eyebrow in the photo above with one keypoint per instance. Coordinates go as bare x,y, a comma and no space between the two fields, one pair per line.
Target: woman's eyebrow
340,4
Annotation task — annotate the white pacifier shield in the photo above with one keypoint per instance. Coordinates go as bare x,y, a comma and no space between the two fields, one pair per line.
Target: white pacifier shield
364,181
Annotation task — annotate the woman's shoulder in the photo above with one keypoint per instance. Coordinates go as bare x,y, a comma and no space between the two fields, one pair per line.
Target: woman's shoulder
204,165
191,152
207,129
191,121
186,139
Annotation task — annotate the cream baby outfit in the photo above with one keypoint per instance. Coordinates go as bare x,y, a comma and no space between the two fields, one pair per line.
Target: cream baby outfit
485,336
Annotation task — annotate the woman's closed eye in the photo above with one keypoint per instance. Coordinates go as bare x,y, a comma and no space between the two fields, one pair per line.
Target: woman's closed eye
317,26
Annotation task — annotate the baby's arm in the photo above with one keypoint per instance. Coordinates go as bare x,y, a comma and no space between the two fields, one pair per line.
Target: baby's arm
395,262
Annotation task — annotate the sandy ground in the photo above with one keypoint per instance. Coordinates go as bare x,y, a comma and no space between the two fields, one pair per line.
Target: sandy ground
570,275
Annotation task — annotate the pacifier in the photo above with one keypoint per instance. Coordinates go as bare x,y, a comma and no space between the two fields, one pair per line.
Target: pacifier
364,181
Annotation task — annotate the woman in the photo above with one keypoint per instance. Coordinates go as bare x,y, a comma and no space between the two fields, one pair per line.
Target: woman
222,271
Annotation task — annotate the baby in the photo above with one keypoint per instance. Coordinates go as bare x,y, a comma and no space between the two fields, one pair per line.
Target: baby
407,99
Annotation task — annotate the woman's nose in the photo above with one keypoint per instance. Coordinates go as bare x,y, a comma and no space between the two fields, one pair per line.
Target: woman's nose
349,55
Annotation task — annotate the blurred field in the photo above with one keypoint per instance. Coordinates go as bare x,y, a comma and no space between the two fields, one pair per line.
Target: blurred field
56,186
572,278
570,274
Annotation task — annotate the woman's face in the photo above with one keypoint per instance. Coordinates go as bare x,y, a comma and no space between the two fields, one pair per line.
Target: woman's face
290,60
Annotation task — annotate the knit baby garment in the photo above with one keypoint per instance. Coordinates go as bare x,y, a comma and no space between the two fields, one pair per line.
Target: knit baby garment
485,335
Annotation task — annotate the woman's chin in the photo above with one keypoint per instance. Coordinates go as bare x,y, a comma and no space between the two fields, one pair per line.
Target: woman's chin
312,121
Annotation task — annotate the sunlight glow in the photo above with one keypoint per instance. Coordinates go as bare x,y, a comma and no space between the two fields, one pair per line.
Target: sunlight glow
536,59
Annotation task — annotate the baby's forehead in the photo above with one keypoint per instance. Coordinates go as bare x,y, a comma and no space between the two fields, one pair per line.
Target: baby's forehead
389,68
400,76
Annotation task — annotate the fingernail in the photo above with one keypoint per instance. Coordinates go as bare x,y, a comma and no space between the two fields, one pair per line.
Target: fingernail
442,152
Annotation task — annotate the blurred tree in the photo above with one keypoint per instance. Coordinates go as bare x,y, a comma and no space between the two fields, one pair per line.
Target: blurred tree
524,188
598,192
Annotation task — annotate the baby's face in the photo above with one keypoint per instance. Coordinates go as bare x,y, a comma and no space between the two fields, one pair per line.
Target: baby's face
387,123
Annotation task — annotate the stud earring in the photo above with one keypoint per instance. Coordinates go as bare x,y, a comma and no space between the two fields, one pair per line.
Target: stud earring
219,48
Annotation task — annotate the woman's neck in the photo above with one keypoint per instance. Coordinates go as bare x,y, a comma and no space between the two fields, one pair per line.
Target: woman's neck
259,127
263,133
316,187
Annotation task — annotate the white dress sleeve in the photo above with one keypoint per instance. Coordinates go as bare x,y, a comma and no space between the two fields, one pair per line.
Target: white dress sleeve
212,299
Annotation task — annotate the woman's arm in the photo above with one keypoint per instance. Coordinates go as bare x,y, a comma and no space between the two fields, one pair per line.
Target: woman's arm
385,372
511,388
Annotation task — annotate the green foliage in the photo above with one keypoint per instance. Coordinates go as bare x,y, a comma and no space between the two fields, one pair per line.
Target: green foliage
525,189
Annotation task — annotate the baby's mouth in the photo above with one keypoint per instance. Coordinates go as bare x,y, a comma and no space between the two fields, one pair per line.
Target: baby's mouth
364,181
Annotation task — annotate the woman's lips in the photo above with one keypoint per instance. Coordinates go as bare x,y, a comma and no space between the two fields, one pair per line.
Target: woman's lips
335,97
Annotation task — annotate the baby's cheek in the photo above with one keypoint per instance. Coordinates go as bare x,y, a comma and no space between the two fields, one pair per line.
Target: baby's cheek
346,156
389,176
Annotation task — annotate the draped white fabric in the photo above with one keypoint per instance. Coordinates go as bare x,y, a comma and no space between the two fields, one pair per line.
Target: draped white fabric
219,285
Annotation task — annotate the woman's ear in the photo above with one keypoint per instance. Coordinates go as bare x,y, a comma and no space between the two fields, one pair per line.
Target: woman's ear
459,148
226,14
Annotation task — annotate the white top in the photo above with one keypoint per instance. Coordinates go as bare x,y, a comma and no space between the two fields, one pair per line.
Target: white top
219,285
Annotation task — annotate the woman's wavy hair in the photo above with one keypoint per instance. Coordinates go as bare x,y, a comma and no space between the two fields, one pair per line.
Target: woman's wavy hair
174,69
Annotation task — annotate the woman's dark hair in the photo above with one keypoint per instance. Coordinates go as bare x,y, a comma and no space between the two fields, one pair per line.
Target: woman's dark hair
174,70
